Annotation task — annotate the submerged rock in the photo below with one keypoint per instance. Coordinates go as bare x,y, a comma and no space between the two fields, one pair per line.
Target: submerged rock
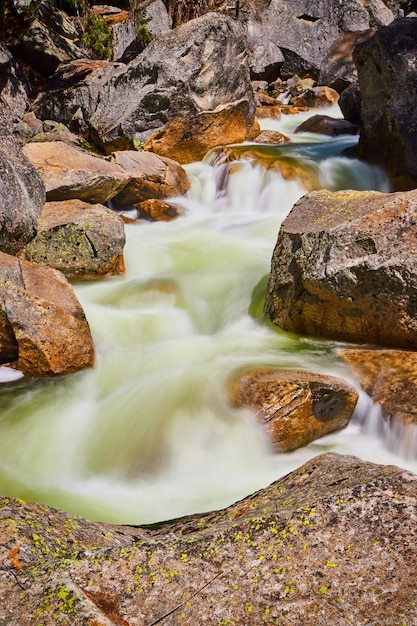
294,408
332,543
344,268
39,308
81,240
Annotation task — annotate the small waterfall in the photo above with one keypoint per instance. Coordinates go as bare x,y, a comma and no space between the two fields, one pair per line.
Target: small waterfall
148,433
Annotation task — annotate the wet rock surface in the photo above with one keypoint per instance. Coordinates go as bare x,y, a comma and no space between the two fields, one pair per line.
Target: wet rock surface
294,408
332,543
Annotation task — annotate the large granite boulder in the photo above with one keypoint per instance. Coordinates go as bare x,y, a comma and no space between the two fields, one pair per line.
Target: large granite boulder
70,173
196,69
344,268
294,408
43,325
387,77
81,240
332,543
22,193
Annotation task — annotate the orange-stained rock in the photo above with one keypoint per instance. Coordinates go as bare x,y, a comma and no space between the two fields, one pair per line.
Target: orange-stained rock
294,407
48,323
158,210
190,138
390,378
68,172
268,111
81,240
150,176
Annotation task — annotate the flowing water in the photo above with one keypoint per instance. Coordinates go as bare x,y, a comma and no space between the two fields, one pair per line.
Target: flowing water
148,434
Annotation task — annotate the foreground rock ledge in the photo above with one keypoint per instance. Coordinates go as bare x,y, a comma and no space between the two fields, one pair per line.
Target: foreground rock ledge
332,543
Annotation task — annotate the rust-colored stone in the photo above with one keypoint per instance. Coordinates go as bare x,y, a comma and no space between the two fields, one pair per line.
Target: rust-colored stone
294,407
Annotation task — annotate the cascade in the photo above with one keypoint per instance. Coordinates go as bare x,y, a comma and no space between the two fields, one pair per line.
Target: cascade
148,434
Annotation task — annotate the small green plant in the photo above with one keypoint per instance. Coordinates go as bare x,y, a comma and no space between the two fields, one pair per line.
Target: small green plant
142,29
97,36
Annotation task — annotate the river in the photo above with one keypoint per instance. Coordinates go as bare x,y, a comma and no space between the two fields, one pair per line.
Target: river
148,434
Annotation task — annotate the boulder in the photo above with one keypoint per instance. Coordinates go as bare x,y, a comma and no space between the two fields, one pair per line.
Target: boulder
79,239
293,553
343,268
326,125
387,77
294,408
187,140
338,69
390,378
69,172
72,93
39,308
149,176
197,73
22,193
50,38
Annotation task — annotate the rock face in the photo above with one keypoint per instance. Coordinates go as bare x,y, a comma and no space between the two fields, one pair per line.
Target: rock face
387,78
302,32
197,69
343,268
22,192
294,553
79,239
69,173
338,69
46,332
294,408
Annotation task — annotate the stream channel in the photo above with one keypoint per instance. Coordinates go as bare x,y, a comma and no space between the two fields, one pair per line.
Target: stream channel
147,434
